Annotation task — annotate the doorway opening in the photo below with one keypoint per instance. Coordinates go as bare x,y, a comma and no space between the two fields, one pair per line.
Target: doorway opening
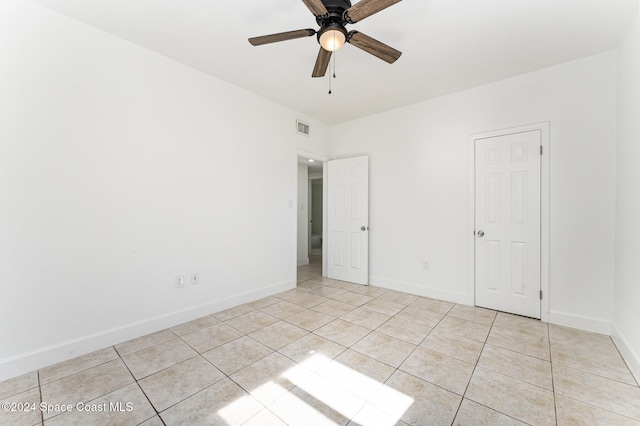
310,213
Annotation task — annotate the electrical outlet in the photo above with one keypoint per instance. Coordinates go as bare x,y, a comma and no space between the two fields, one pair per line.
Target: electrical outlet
179,282
195,278
425,265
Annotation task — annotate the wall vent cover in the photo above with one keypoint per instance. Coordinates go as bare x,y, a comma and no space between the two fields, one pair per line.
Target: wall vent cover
302,127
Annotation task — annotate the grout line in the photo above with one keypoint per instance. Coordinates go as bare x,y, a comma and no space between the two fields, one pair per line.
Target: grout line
553,384
40,391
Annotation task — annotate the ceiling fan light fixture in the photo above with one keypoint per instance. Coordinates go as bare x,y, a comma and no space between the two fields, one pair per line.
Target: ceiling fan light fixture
332,38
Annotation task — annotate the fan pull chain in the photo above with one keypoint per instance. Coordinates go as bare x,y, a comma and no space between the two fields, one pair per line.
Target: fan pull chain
334,63
334,70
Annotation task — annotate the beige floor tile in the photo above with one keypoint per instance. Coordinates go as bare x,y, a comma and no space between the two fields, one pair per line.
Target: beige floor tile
283,309
463,328
144,342
278,335
252,321
593,353
432,305
271,377
357,373
264,418
369,290
384,348
125,406
86,385
384,307
195,325
518,366
309,319
404,330
576,413
326,291
261,303
439,369
420,316
366,318
295,411
343,285
398,297
312,352
472,413
309,285
24,409
528,326
324,280
237,354
225,403
354,299
528,344
170,386
155,358
527,403
605,393
317,401
371,415
233,312
342,332
415,401
301,298
455,346
153,421
211,337
334,308
19,384
75,365
472,313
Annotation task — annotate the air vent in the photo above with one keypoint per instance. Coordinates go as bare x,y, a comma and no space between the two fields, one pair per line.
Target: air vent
302,127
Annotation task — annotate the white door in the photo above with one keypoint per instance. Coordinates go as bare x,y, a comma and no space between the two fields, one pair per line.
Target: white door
507,223
348,220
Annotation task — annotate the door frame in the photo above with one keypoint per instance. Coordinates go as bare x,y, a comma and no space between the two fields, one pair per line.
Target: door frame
544,209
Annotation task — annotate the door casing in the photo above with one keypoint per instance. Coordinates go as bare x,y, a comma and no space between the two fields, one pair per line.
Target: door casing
544,209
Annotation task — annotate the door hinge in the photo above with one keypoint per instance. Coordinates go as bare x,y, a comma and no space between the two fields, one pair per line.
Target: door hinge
540,294
540,149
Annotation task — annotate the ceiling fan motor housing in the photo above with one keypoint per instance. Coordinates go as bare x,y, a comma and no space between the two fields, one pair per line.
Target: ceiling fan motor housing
335,18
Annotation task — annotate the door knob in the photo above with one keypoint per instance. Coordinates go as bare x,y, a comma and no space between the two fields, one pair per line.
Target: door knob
480,234
363,228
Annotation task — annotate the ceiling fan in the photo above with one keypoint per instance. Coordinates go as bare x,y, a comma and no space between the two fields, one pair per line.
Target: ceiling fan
332,16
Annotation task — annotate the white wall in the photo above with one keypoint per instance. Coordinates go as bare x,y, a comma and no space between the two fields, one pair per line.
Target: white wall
303,215
419,182
119,170
626,322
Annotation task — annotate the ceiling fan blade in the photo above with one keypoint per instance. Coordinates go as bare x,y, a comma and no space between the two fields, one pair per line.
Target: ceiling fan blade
373,46
322,63
365,8
316,7
289,35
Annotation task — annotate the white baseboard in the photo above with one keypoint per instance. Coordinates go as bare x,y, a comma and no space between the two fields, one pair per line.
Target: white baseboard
421,290
630,355
302,262
42,357
595,325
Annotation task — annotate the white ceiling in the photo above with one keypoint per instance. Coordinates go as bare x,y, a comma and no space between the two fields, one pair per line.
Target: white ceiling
447,45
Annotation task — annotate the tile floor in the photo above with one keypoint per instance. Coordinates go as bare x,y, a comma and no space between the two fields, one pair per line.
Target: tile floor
331,352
